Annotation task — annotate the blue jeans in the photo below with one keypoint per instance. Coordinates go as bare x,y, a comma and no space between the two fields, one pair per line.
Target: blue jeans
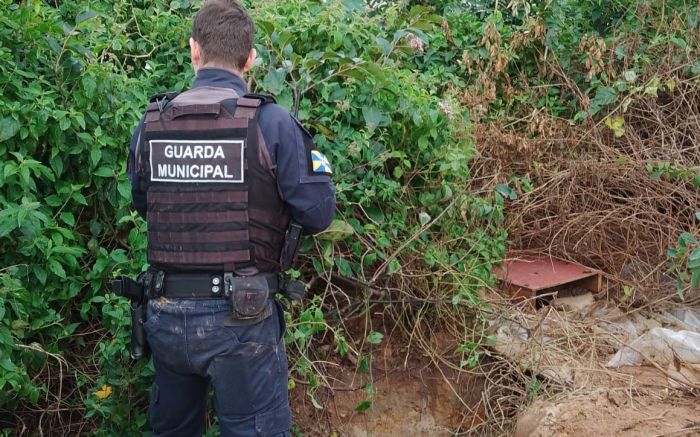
196,343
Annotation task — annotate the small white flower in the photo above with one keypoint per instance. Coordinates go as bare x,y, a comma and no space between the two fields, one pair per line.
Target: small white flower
447,109
415,42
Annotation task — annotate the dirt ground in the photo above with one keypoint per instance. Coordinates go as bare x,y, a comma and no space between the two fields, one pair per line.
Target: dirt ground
411,400
636,403
422,403
579,395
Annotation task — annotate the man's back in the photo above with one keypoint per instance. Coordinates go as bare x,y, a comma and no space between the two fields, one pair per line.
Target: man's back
219,175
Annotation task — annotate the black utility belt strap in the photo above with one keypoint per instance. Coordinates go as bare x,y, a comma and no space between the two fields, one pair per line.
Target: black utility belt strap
199,285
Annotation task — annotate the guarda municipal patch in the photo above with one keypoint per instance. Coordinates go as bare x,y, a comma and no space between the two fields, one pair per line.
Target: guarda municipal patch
197,161
319,163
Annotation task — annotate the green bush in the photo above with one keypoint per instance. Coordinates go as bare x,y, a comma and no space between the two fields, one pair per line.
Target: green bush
571,59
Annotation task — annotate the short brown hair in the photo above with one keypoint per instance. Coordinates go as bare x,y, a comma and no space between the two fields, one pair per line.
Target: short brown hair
224,31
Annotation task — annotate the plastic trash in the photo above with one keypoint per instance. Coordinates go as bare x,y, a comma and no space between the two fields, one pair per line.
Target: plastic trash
687,317
678,351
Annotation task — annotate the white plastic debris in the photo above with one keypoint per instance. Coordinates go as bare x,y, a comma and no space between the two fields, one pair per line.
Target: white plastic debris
686,318
677,351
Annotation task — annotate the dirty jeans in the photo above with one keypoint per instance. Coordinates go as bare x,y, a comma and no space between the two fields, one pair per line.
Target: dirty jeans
194,345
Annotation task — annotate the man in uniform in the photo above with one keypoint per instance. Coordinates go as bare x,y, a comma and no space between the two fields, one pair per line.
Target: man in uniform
219,175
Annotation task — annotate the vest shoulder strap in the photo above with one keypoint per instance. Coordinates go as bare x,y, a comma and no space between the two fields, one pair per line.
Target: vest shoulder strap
248,105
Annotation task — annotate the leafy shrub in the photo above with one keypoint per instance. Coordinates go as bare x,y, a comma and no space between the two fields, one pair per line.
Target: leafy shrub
572,59
65,225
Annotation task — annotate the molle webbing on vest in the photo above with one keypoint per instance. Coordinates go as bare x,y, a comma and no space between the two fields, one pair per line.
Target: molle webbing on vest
212,199
199,197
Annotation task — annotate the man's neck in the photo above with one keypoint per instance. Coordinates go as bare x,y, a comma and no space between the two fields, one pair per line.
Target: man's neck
228,68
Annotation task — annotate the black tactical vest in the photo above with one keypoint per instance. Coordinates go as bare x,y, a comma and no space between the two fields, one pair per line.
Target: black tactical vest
212,195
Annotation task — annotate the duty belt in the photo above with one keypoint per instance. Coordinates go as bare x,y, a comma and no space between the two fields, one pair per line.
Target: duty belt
200,285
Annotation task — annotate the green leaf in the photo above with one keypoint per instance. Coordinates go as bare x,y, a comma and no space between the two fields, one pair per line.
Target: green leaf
80,119
506,191
617,125
384,44
424,218
53,44
57,268
353,5
8,128
89,86
686,238
374,117
64,123
8,365
67,218
317,265
652,87
315,403
9,170
119,256
375,337
363,365
604,96
695,279
104,171
343,266
53,200
374,70
124,188
274,80
95,156
363,406
266,26
695,68
78,197
85,15
338,230
40,273
394,266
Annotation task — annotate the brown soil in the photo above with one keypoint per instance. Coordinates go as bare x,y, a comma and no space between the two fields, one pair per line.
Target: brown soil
644,407
420,402
415,397
410,398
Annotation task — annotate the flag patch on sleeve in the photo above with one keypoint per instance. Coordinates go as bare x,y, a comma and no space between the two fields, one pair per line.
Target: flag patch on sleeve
319,163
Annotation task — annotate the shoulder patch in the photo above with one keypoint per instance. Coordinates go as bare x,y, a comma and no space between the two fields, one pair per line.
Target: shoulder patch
319,163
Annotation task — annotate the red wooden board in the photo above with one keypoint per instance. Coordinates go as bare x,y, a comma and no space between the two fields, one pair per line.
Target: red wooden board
540,273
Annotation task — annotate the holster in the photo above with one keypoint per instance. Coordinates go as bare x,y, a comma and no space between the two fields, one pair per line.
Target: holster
137,293
290,288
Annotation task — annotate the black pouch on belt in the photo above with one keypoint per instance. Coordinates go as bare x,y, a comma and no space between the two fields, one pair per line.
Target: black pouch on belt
248,296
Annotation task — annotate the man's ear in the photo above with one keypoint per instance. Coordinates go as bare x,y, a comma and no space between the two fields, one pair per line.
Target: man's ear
195,54
251,59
